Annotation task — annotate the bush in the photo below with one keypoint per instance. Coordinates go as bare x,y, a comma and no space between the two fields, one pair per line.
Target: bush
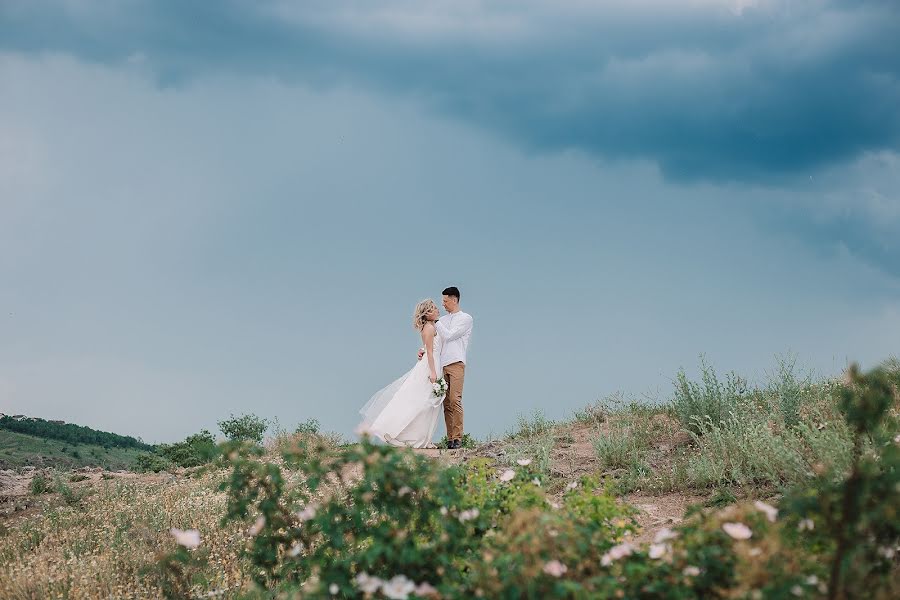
248,428
712,401
40,484
310,426
529,427
149,462
195,450
467,442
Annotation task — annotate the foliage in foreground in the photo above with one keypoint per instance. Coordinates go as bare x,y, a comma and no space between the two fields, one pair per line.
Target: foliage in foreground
374,521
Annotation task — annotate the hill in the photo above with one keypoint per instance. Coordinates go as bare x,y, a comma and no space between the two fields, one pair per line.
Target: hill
19,450
69,432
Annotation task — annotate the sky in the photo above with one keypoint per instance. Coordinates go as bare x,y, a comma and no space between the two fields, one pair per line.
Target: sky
233,207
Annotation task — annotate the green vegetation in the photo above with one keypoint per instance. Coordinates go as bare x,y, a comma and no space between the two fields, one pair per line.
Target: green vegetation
71,433
248,428
19,450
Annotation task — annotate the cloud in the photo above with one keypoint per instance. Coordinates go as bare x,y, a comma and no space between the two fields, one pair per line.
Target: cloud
726,90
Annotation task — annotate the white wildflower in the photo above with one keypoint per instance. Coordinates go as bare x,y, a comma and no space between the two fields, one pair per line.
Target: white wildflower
425,589
296,549
523,462
555,568
536,482
367,584
444,511
308,512
691,571
886,552
334,589
257,525
189,538
404,491
771,511
738,531
657,551
507,475
615,553
468,515
664,535
572,485
806,525
797,590
398,588
812,580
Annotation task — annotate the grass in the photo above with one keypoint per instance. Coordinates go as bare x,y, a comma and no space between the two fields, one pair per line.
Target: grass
19,450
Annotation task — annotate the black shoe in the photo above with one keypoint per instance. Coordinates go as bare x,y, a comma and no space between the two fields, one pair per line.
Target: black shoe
455,444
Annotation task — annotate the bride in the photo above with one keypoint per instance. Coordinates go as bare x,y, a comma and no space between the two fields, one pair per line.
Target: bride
405,413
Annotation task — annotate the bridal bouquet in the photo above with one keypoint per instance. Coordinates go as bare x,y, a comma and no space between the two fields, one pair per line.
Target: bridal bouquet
439,388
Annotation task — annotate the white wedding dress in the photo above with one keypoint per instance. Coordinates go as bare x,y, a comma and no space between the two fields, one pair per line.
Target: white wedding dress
405,413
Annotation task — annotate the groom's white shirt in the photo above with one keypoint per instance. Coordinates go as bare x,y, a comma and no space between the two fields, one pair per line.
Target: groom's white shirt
456,329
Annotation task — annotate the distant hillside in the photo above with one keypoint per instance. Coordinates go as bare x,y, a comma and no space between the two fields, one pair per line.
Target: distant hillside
20,450
69,433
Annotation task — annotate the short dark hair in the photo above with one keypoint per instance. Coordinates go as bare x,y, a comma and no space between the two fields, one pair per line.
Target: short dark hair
451,291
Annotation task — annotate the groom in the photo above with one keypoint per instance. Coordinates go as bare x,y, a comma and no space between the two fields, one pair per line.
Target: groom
455,328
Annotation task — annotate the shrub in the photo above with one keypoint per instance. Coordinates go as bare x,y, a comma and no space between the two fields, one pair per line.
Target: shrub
78,477
618,449
195,450
710,401
149,462
308,426
40,484
467,442
529,427
244,428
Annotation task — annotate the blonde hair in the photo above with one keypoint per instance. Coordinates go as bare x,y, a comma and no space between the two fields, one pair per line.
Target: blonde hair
422,308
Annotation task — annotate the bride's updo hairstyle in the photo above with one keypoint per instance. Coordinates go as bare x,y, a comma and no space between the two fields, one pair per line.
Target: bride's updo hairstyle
422,308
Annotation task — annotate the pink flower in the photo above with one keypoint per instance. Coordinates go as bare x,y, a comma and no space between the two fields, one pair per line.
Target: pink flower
664,535
615,553
523,462
367,584
657,551
738,531
806,525
425,589
691,571
507,475
771,511
555,568
189,538
398,588
257,525
308,512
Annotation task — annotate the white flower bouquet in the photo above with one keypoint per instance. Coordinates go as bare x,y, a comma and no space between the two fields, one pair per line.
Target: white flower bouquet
439,388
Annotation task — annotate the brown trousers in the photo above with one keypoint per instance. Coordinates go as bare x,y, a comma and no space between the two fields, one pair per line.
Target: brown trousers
455,375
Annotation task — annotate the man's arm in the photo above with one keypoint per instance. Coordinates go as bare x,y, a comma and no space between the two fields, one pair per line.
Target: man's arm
461,327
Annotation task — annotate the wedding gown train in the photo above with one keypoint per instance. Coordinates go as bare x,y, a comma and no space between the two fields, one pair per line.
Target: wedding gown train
405,413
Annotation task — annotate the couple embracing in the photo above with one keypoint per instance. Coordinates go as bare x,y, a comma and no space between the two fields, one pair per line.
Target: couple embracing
405,413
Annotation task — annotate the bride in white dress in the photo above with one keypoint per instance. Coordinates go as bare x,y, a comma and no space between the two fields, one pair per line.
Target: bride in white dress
405,413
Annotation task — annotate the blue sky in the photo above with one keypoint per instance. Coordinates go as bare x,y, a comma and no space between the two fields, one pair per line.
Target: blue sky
227,208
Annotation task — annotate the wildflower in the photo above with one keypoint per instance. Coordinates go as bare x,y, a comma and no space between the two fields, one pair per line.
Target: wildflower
806,525
691,571
189,538
738,531
404,491
771,511
257,525
444,511
797,590
615,553
425,589
367,584
572,485
523,462
755,551
664,535
468,515
897,439
886,552
296,549
553,505
507,475
812,580
657,551
555,568
536,482
362,430
308,512
334,589
398,588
